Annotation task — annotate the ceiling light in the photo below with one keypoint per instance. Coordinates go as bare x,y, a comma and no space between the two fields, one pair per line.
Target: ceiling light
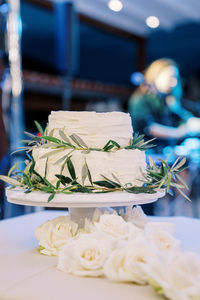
115,5
152,22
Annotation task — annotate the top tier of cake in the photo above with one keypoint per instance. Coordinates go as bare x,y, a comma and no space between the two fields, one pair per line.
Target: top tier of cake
96,129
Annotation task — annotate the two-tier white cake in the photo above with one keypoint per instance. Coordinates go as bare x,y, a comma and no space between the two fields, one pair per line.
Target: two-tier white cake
95,129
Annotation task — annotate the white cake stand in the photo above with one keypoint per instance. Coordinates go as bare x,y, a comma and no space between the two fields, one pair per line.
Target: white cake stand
81,205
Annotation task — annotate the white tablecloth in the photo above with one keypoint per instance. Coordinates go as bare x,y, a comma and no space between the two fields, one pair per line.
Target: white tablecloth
26,275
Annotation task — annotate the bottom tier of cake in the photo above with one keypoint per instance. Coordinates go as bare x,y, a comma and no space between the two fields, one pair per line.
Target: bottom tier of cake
127,165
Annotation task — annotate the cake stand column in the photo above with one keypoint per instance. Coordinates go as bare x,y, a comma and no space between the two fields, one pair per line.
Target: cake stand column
78,214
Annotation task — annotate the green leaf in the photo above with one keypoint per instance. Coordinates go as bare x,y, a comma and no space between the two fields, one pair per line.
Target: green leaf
108,148
43,179
183,194
101,192
57,141
180,164
151,162
63,165
115,144
149,141
71,168
63,158
110,145
14,167
154,174
112,182
64,137
182,181
164,170
39,127
86,173
10,180
64,180
47,182
165,164
178,158
67,193
58,184
35,137
107,145
21,149
51,197
140,189
50,153
26,180
174,184
27,142
46,189
40,249
32,166
82,189
139,143
104,183
77,140
162,183
74,182
29,190
115,177
168,182
60,160
53,139
89,176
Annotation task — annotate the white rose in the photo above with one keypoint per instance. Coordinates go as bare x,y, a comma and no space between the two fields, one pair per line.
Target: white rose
164,241
125,264
134,231
84,256
178,277
113,226
89,226
160,235
155,226
53,234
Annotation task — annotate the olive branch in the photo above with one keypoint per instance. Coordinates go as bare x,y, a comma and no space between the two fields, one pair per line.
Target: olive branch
75,142
155,178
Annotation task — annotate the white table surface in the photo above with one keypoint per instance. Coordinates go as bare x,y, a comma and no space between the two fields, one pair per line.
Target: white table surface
26,275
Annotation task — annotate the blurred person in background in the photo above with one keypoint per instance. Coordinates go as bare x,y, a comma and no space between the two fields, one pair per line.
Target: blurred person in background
156,111
155,107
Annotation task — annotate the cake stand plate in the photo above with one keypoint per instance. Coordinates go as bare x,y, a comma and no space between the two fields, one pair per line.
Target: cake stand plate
80,205
78,200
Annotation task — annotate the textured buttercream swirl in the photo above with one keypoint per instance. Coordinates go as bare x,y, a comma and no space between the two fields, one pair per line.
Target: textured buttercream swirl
96,129
127,165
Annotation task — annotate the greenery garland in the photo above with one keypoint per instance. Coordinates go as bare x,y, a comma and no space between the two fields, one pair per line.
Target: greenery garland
155,178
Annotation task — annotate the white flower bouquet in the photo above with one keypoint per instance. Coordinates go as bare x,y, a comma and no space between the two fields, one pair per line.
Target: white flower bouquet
114,247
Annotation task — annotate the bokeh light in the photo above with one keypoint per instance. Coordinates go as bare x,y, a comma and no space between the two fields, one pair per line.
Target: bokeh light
152,21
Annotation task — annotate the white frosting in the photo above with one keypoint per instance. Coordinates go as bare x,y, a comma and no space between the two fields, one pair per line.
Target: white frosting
125,164
96,129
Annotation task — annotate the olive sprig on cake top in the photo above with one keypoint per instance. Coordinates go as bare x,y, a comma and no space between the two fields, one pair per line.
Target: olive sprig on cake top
76,142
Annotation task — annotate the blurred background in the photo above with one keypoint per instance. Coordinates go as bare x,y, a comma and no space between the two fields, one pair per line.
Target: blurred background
136,56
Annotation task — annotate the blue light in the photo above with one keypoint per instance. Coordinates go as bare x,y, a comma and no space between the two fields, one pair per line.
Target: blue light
137,78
